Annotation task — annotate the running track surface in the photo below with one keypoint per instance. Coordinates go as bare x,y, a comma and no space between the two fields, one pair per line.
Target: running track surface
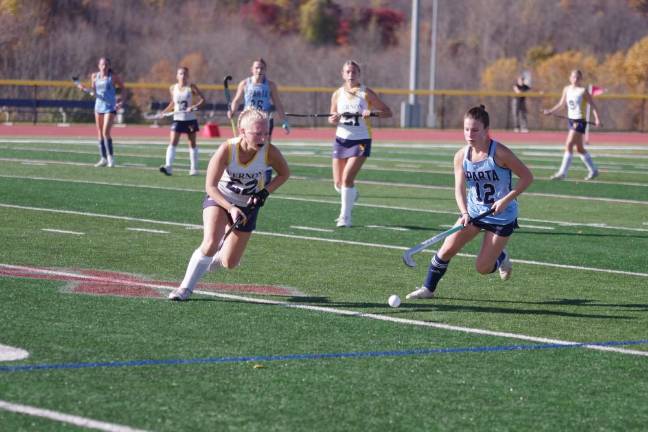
327,134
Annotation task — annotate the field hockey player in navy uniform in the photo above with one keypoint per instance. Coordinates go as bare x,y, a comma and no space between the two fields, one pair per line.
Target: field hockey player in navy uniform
352,144
483,181
236,189
184,120
574,97
104,88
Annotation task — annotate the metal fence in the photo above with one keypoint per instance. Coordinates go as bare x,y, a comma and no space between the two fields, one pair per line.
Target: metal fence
619,112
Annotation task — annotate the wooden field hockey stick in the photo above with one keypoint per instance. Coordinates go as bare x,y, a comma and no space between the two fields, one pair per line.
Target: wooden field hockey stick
408,256
228,99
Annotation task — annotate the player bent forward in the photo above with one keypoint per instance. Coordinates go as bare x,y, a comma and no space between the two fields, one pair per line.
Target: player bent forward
235,191
485,167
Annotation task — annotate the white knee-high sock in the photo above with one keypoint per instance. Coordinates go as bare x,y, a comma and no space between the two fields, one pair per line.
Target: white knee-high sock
348,198
196,268
566,163
193,156
589,163
170,155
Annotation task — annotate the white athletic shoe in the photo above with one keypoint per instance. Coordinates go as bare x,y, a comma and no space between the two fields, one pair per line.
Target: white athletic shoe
592,175
102,163
343,222
180,294
193,172
558,176
111,162
506,267
420,293
166,170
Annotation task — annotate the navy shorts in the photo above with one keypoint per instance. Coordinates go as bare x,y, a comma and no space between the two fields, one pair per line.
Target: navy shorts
577,125
185,126
500,230
344,149
107,112
249,226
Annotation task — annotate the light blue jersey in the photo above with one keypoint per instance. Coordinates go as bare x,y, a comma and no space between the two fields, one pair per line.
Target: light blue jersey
106,101
258,95
488,182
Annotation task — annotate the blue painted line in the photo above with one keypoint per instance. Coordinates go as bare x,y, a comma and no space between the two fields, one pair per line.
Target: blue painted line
293,357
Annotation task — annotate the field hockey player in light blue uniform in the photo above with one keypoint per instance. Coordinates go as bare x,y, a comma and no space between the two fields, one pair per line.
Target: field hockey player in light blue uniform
104,86
258,92
236,189
574,97
352,144
483,181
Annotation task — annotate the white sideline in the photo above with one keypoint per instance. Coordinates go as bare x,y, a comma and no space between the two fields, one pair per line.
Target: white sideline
58,231
66,418
298,237
343,312
9,353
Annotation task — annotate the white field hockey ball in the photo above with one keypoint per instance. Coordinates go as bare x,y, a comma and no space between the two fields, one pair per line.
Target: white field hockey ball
394,301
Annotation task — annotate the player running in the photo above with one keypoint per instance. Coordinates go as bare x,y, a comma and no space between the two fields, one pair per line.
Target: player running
353,134
483,181
104,86
184,120
573,96
236,189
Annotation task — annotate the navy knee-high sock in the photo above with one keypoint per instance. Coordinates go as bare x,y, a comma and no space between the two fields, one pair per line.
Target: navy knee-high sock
498,261
436,271
110,147
102,148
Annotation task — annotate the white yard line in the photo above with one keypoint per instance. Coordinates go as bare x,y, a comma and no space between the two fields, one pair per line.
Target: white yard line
305,228
58,231
147,230
9,353
392,228
298,237
537,227
344,312
65,418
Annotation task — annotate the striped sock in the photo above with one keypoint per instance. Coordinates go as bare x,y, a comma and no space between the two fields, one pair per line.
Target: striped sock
436,271
498,261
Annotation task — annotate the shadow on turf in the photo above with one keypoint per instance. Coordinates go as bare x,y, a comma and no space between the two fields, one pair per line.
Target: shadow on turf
407,307
631,307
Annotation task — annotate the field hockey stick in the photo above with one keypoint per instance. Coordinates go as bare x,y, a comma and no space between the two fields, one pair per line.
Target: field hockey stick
228,99
567,118
408,256
161,115
346,114
80,86
236,224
